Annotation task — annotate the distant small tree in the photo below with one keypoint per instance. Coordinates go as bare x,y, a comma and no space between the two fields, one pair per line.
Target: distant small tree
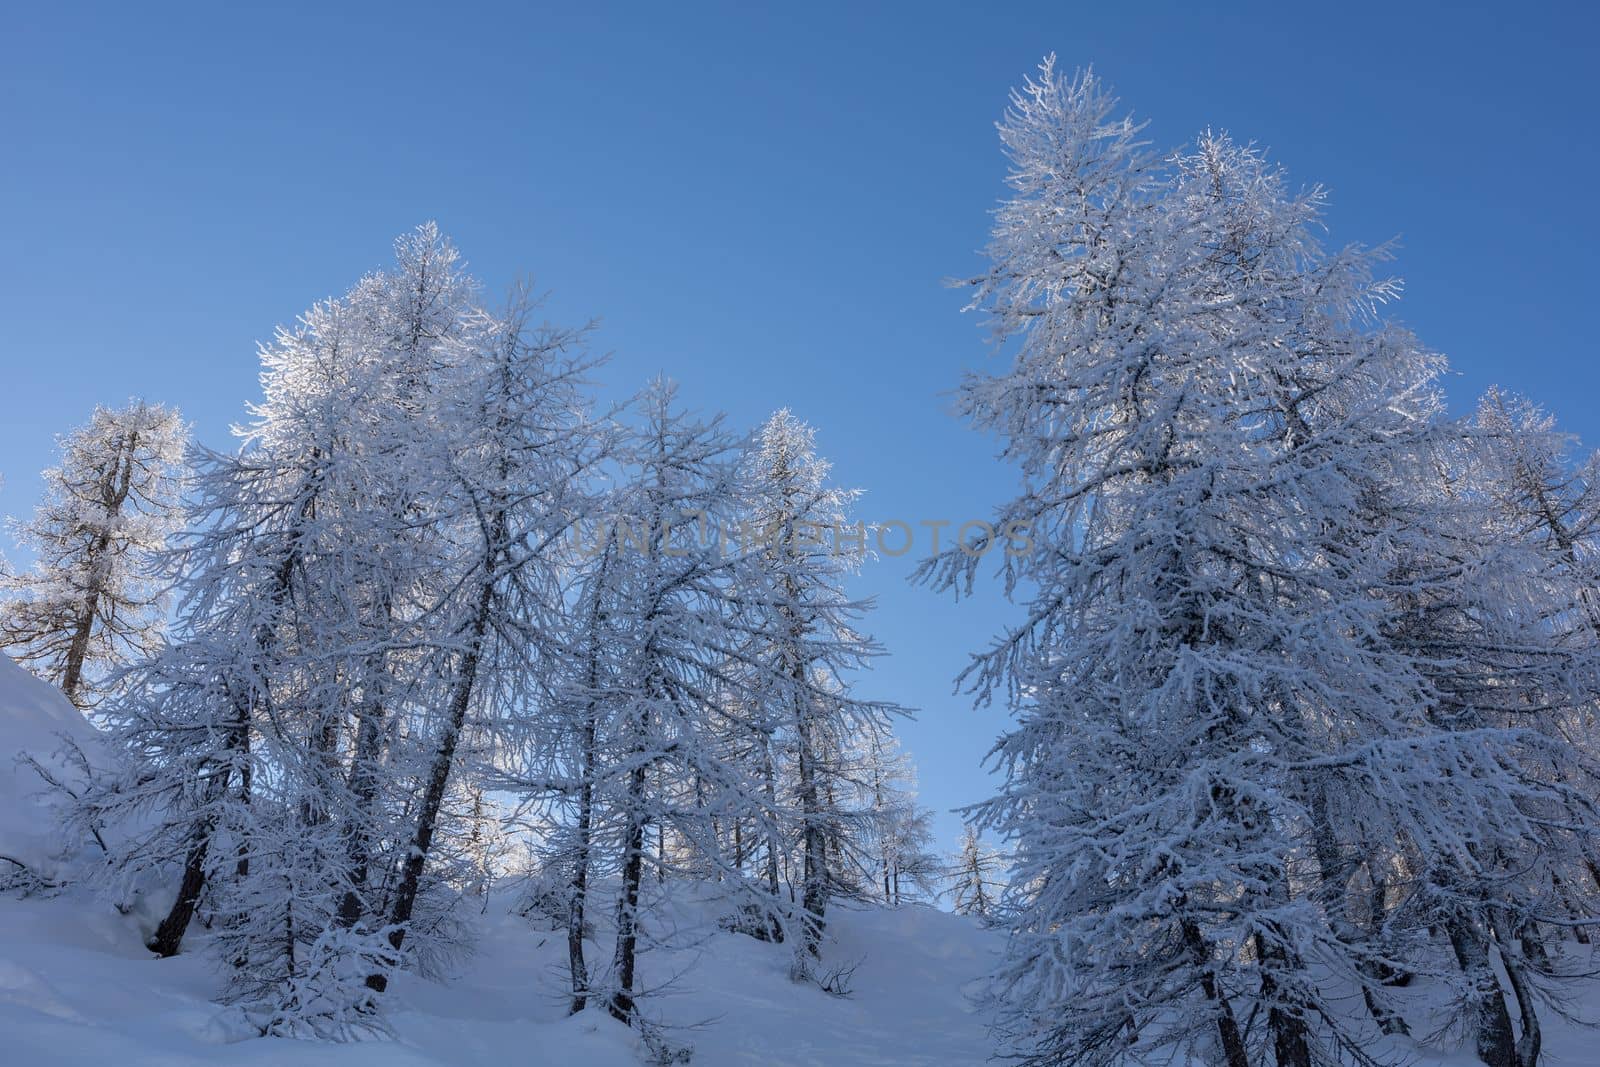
975,877
89,604
896,846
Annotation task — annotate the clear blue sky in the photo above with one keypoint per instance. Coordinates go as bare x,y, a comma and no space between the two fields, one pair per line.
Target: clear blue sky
762,203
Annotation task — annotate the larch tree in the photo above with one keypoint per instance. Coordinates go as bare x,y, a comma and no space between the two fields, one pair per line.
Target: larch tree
92,602
366,582
1207,412
976,877
807,642
890,839
675,627
520,461
1496,611
620,748
277,568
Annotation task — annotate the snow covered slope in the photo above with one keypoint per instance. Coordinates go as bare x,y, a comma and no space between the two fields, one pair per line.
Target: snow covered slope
34,720
76,986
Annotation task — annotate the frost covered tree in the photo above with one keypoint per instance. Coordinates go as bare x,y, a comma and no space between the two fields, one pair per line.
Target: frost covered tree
1495,606
92,602
621,746
976,877
366,582
806,642
520,470
890,840
1542,494
1218,438
670,736
670,598
564,764
280,578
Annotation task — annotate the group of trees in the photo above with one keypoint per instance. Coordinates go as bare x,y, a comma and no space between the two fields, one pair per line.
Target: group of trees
1304,691
1303,696
435,583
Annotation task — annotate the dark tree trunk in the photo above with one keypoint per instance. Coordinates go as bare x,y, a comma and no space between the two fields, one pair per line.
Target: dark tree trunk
1486,1003
1288,1026
363,783
770,787
169,934
578,891
621,1005
113,495
1531,949
814,875
405,898
1334,872
78,649
416,857
1228,1034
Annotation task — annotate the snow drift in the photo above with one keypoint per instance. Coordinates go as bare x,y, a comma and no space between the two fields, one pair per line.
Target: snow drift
36,722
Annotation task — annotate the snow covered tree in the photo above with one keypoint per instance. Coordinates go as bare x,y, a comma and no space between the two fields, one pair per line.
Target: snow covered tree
1494,604
1543,497
365,583
806,640
92,601
671,601
520,467
566,764
975,877
891,839
1211,424
275,582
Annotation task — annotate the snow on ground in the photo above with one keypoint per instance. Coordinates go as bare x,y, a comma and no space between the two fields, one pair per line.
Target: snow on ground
35,720
78,987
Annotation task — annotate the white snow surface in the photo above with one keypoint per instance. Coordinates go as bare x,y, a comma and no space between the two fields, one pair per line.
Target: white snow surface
77,985
35,720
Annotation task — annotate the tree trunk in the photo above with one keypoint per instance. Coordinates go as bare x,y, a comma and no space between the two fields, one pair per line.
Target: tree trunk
1334,873
661,851
114,494
621,1005
169,934
769,776
1486,1002
1289,1043
578,891
78,650
814,889
363,784
1228,1033
1531,1038
416,859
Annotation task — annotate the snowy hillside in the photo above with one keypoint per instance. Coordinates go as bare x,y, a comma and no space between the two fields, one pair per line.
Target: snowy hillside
35,720
77,986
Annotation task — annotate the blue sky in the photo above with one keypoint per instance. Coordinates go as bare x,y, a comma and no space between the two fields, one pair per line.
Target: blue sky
761,201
